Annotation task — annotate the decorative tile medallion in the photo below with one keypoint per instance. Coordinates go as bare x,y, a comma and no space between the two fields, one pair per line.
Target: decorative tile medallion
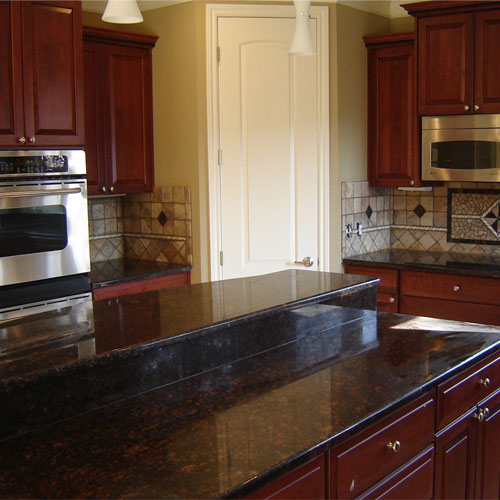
419,211
474,216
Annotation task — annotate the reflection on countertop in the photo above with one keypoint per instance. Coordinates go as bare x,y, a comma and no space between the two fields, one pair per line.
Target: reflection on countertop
444,262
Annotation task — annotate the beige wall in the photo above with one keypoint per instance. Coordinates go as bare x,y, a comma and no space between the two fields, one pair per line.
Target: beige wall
180,107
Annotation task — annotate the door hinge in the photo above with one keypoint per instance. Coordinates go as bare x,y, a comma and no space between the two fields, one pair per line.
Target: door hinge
219,157
218,54
221,258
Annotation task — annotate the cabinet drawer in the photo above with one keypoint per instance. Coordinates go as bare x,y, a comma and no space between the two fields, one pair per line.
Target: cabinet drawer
412,480
388,277
371,458
387,302
451,287
460,393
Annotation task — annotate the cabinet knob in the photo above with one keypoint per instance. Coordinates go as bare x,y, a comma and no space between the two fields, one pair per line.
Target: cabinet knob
32,140
111,189
412,182
479,415
21,140
395,447
466,108
486,412
476,107
103,189
485,382
456,288
392,300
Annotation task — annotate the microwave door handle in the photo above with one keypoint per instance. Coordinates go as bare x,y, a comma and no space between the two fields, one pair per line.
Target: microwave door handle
47,192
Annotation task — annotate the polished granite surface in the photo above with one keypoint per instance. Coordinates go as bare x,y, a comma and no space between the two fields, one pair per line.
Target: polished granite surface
108,350
443,262
228,430
115,271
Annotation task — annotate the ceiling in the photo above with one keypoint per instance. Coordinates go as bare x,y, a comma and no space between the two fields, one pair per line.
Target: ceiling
386,8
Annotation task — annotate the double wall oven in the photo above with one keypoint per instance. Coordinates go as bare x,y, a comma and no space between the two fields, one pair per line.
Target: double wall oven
44,247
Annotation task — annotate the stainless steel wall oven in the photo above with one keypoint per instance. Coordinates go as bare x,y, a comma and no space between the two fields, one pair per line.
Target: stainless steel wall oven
44,247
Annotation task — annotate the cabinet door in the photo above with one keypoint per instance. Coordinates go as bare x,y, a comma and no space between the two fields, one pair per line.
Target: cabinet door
445,64
305,483
455,459
488,460
392,155
53,72
11,103
487,67
94,118
130,139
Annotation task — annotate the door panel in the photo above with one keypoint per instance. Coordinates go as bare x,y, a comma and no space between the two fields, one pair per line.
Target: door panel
269,141
53,72
11,103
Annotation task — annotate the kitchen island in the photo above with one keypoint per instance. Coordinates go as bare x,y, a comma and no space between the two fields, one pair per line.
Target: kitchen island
255,393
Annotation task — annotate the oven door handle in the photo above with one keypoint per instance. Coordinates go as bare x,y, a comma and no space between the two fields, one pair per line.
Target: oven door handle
40,192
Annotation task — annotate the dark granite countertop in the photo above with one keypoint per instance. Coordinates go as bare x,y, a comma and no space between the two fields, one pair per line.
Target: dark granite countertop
75,358
115,271
228,430
443,262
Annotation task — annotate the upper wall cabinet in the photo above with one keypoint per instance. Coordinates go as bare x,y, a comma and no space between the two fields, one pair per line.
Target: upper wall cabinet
457,44
41,74
118,111
393,158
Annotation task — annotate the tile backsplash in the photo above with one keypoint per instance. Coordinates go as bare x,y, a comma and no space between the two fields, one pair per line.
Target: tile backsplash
452,217
149,226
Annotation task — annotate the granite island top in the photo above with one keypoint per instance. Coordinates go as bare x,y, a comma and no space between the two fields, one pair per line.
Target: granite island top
115,271
225,431
75,358
443,262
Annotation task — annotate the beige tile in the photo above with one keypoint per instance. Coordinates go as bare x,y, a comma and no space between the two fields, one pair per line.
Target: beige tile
167,194
440,219
179,228
399,203
179,211
427,219
357,189
427,202
179,195
187,194
188,211
168,228
134,209
440,204
146,226
156,209
146,210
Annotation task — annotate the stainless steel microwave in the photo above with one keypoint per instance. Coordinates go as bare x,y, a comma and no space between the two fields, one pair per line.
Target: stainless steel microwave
461,148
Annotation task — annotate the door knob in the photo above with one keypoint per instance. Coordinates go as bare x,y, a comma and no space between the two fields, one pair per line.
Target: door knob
306,261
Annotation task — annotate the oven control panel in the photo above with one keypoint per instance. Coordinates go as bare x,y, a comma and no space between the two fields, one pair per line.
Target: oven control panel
45,164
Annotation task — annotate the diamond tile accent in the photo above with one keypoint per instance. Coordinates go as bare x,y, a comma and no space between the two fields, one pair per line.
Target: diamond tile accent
419,210
162,218
492,218
369,211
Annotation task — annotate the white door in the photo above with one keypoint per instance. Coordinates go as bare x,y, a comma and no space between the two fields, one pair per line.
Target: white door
270,140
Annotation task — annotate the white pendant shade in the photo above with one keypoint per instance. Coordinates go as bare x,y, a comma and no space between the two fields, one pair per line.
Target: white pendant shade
122,12
302,43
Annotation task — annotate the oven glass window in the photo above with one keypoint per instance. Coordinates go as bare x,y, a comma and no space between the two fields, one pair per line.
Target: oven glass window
465,155
32,230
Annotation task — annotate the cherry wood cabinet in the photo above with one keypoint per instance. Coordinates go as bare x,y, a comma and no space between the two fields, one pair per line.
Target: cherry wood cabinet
388,289
467,449
118,111
393,156
457,44
449,296
304,483
139,286
41,74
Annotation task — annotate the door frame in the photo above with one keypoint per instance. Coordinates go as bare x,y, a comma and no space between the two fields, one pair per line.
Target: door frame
320,13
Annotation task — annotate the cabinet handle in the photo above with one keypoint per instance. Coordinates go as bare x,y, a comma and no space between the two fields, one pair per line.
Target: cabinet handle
476,107
485,382
479,416
32,140
466,108
395,447
111,189
456,288
103,189
21,140
392,300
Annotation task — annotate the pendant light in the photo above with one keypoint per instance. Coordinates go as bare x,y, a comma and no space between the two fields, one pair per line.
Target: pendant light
122,12
302,43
